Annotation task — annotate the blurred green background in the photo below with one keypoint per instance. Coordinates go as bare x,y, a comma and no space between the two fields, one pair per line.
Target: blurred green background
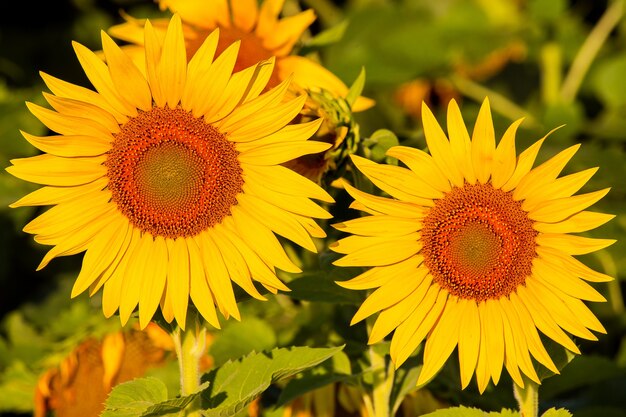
553,62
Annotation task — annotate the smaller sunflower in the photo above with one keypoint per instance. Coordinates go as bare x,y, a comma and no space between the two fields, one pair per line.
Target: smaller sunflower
475,251
262,34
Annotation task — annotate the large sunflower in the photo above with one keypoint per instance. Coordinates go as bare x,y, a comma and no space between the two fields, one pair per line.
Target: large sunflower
170,181
262,33
474,249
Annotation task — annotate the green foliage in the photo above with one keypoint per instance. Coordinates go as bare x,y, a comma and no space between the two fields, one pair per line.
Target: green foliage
471,412
235,384
237,339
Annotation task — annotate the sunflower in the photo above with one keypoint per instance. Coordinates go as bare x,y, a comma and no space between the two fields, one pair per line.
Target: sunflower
474,249
171,180
261,32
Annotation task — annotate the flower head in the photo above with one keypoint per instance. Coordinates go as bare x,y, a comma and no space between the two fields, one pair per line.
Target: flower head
170,178
261,32
474,250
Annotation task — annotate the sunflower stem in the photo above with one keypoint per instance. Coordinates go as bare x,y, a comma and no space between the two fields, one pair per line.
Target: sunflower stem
382,383
189,345
527,398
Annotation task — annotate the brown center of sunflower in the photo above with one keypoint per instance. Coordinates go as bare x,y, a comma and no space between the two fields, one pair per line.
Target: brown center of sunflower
478,242
171,174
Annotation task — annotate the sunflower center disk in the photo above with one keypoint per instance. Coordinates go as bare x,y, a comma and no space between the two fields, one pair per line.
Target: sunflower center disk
478,242
171,174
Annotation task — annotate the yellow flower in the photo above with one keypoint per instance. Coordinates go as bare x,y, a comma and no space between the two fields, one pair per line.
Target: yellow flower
262,33
171,180
475,250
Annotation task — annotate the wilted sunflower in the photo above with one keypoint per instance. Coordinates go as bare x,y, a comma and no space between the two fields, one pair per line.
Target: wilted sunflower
261,32
171,180
474,249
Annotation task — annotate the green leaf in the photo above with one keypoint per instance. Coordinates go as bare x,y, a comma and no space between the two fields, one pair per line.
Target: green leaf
17,384
134,398
320,286
405,381
559,355
326,37
553,412
241,338
335,370
471,412
609,80
356,88
584,371
235,384
379,143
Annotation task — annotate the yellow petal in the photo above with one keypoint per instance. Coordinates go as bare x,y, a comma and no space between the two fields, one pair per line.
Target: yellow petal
287,32
379,226
561,187
291,203
216,275
126,77
101,253
443,339
153,287
504,157
178,277
172,68
573,245
381,252
391,317
309,75
135,277
98,74
238,270
69,125
535,345
278,220
544,320
205,14
579,222
292,133
440,147
74,92
544,173
558,310
483,144
390,293
153,52
245,14
69,145
49,195
265,121
397,181
259,267
469,342
414,329
423,165
563,280
514,335
53,170
572,264
524,164
262,240
491,324
87,110
199,290
553,211
386,205
378,276
284,180
460,143
278,153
